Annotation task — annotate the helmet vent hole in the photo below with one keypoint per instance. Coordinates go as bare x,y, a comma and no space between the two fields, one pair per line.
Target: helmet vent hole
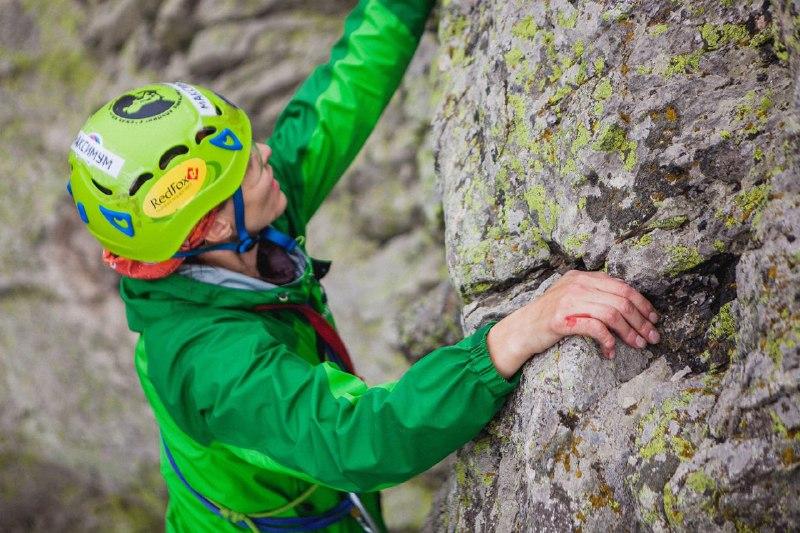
219,111
205,132
171,153
102,189
139,182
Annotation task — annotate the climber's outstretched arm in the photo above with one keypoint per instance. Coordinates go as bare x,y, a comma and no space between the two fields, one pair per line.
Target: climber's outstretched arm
330,117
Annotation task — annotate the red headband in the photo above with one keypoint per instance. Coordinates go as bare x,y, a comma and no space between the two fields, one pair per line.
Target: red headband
141,270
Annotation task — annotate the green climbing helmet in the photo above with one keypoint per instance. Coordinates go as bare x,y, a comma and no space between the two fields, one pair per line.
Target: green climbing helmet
148,165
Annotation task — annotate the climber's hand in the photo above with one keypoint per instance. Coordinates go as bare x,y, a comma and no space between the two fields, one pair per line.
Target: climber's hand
579,303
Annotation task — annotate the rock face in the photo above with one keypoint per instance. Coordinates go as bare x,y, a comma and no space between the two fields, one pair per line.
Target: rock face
658,141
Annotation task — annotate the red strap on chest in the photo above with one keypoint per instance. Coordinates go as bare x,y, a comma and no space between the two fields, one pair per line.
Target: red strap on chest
320,325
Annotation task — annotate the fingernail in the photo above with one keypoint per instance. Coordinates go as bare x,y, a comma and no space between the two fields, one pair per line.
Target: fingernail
654,317
640,342
654,337
612,354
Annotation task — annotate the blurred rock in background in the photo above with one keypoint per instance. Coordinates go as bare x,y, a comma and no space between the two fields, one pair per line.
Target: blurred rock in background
78,446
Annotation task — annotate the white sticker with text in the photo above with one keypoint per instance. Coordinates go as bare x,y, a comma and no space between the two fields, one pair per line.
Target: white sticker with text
95,155
203,104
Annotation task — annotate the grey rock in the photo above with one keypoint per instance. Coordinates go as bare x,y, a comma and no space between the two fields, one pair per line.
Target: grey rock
223,46
175,24
431,320
18,29
656,141
112,23
211,12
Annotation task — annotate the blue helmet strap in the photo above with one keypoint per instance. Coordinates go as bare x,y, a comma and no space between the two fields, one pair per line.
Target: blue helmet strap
246,241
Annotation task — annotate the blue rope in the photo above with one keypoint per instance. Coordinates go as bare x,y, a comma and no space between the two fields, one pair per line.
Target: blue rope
305,523
269,524
205,501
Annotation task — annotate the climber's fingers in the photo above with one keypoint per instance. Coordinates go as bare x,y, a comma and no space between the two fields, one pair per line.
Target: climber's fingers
604,282
646,331
591,327
611,318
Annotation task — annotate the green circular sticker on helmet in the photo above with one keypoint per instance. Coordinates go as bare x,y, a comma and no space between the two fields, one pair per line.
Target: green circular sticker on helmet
144,104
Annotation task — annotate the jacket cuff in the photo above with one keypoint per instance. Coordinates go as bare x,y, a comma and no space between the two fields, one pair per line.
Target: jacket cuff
480,363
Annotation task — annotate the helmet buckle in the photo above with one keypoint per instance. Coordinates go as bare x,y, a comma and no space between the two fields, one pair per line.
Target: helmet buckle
246,245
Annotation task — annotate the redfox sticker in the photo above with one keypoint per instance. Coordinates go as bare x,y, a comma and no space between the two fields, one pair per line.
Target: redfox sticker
175,189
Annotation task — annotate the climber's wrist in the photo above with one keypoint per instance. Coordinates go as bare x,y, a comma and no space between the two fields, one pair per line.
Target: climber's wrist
507,344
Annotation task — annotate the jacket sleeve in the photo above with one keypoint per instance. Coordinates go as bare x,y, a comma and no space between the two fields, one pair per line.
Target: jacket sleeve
330,117
316,422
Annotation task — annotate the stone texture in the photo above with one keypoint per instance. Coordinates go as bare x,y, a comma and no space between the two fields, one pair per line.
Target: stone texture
429,322
656,141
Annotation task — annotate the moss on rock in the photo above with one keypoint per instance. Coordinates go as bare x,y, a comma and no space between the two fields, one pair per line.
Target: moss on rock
614,138
682,258
688,63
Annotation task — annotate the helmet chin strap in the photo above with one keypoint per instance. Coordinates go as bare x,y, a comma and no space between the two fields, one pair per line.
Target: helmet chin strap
246,241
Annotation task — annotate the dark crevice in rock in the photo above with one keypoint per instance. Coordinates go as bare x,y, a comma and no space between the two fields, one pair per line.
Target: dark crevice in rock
606,206
568,419
499,290
559,260
687,310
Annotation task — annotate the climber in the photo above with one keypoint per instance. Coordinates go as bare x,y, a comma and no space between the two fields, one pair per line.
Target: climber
264,424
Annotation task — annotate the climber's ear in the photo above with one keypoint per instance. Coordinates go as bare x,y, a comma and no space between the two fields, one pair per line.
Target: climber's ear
223,228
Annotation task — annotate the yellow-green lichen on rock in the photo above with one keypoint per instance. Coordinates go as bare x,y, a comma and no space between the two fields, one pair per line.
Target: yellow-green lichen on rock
614,138
723,325
688,63
662,138
700,482
682,258
716,36
573,243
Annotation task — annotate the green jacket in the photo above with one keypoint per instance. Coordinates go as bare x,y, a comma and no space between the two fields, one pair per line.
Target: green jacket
251,416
